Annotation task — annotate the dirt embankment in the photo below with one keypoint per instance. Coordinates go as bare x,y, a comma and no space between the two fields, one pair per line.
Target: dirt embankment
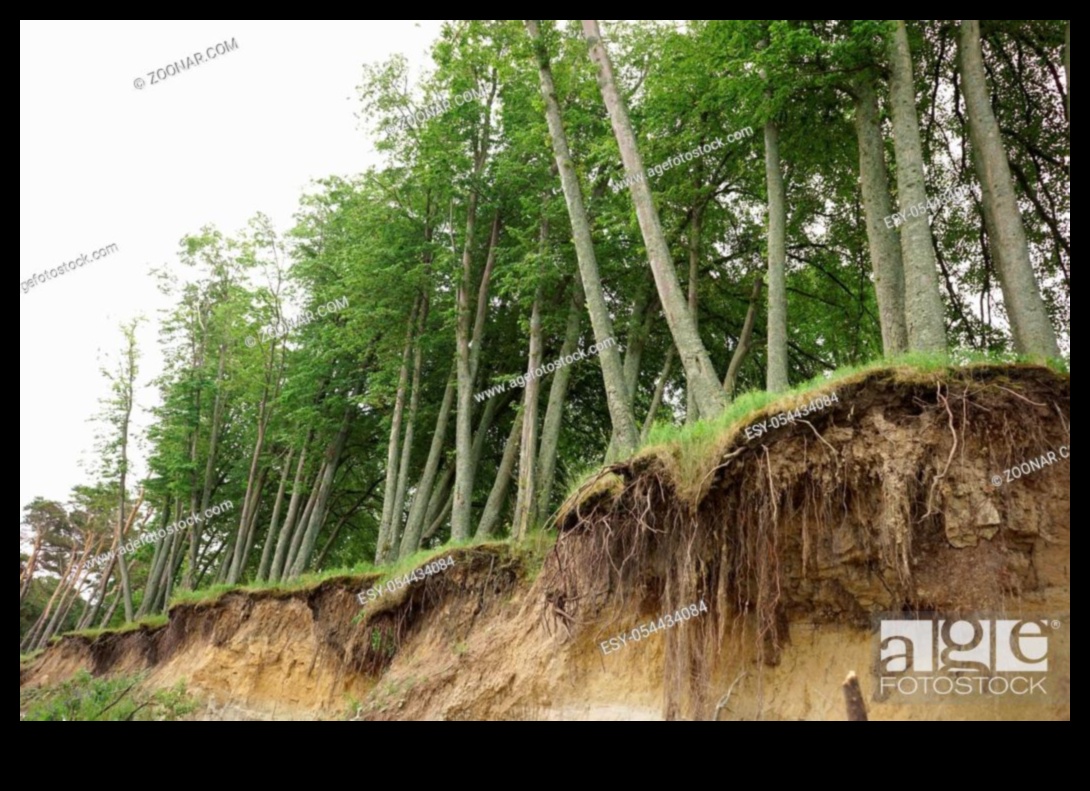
797,542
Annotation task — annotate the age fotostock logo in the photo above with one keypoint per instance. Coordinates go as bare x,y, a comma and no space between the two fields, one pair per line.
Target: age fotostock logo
945,658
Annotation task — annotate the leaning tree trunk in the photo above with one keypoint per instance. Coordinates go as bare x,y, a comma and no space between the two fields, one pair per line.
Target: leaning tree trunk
700,374
924,311
299,532
317,517
699,371
620,406
393,450
730,383
885,250
30,641
393,541
1034,335
210,464
159,562
31,566
558,395
283,541
498,496
656,399
414,524
274,521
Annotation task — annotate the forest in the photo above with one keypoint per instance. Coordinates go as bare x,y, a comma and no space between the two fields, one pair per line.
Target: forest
587,238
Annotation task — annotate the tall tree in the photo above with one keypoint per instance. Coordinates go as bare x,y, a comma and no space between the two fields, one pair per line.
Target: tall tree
620,407
699,372
925,313
1034,335
885,251
777,380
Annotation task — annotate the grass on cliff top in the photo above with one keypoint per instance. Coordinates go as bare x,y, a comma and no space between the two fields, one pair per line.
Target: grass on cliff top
531,553
691,448
150,622
363,574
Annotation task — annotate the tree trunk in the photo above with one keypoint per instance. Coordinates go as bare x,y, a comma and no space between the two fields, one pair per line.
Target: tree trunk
924,311
742,349
170,573
32,638
414,525
254,485
486,529
317,517
210,464
109,616
656,399
159,562
526,499
394,540
65,603
1034,335
558,395
108,569
620,406
699,372
639,329
463,476
273,534
123,567
283,543
695,231
439,504
437,523
31,566
251,527
885,250
393,451
300,529
778,380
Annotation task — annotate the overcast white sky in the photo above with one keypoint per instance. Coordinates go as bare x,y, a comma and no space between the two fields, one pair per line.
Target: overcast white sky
102,163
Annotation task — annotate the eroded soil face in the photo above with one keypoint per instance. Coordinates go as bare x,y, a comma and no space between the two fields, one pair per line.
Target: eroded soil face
798,542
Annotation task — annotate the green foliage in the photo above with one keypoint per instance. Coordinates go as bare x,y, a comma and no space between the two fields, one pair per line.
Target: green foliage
85,698
235,398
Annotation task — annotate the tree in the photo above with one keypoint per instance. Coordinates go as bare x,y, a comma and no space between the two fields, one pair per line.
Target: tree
1033,332
620,408
699,372
924,311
